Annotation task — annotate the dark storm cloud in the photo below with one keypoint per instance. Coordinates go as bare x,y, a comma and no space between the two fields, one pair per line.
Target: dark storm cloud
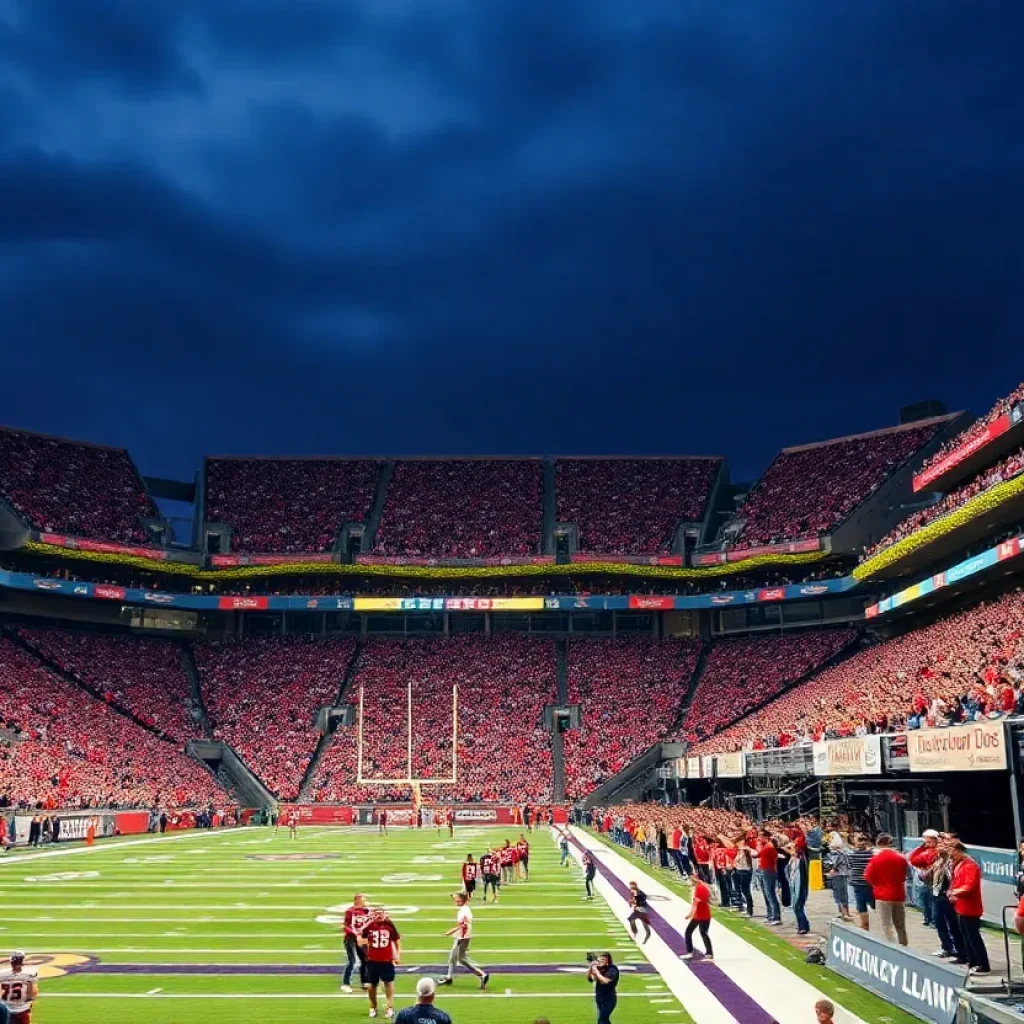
505,226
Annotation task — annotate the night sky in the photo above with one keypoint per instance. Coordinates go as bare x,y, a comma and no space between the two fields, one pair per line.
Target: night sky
479,226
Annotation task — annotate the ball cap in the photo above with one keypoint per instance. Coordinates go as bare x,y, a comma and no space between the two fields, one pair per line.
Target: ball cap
425,987
18,955
929,833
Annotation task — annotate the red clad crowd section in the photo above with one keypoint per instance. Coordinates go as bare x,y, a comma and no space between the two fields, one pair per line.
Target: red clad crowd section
964,666
504,751
64,748
809,491
463,508
1005,469
740,675
978,427
262,695
630,691
141,676
288,505
632,506
72,488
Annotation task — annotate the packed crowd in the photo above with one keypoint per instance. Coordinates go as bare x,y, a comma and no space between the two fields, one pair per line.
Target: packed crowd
735,857
1005,469
632,506
809,491
463,508
741,675
72,488
504,750
143,677
630,691
68,749
262,695
979,426
965,666
288,505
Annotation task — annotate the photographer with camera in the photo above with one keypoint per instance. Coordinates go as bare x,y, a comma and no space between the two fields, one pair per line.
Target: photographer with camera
604,976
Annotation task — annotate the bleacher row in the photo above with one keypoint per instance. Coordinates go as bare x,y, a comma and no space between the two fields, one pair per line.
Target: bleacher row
457,508
120,741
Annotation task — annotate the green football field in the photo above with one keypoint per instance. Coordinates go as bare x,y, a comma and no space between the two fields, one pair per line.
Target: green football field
221,927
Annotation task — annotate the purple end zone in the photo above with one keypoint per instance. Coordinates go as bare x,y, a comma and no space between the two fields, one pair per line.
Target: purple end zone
321,969
718,983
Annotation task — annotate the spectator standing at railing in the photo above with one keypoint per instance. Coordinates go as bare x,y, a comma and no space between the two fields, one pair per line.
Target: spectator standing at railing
863,893
767,865
946,924
965,895
886,873
921,860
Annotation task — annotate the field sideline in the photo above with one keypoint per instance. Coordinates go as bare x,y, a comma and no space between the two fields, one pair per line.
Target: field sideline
198,927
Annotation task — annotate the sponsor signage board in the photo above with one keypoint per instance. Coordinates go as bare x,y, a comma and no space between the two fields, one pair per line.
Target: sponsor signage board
731,766
693,767
856,755
922,985
978,746
964,451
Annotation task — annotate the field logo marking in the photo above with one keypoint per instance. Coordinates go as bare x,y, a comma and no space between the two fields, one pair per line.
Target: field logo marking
430,860
54,965
408,876
291,856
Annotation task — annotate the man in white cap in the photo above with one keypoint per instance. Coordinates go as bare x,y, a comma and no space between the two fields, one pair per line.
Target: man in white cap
922,860
424,1012
19,988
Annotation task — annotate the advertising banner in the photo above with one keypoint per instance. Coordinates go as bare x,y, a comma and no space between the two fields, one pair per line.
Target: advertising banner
707,766
243,604
793,547
772,594
583,558
106,593
319,814
104,547
856,755
978,746
693,767
223,561
649,603
377,604
404,814
1007,549
731,766
921,985
494,604
964,451
495,561
998,877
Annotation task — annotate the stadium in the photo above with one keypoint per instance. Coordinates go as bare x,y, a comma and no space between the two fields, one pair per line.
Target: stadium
344,675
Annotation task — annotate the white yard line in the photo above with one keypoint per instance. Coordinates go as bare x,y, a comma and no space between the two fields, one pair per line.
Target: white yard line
588,995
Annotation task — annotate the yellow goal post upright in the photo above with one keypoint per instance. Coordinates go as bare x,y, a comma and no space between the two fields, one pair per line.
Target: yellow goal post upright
410,778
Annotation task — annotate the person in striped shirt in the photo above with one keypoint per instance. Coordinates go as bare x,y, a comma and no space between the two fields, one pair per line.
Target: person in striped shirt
863,893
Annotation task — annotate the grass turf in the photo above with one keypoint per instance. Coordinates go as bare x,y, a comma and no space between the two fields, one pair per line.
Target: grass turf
126,913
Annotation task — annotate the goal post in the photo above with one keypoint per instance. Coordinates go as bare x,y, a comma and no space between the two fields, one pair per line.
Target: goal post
410,778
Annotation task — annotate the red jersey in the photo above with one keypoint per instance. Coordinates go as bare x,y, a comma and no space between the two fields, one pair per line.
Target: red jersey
382,817
967,876
886,873
700,850
506,855
720,858
381,937
523,847
487,865
701,902
469,872
356,919
767,856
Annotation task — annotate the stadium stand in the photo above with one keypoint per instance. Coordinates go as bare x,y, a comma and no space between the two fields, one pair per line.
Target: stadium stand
630,691
963,666
504,750
143,677
1009,467
73,488
632,506
810,490
977,428
288,505
262,695
742,674
64,748
463,508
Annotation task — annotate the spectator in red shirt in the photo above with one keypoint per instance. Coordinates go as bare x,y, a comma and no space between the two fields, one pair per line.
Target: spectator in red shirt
767,865
922,860
699,917
965,895
886,873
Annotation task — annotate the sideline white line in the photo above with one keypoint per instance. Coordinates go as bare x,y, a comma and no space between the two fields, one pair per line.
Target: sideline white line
26,858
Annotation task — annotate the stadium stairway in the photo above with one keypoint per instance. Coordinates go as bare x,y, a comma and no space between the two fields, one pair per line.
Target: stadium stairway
325,738
550,508
387,470
227,766
698,671
188,662
562,671
557,765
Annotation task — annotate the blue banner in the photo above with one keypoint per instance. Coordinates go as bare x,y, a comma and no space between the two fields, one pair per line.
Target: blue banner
339,602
